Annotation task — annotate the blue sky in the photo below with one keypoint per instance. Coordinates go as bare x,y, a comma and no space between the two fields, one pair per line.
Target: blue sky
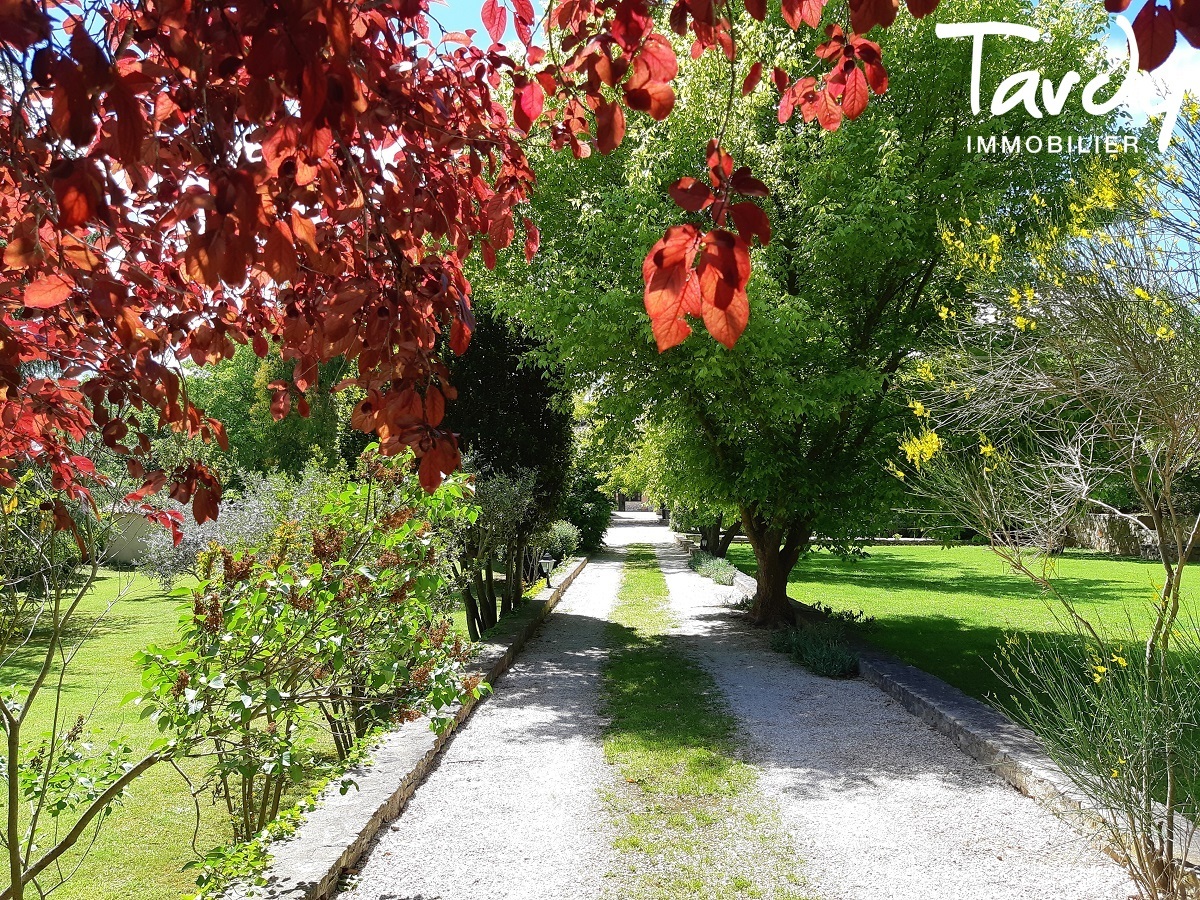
459,15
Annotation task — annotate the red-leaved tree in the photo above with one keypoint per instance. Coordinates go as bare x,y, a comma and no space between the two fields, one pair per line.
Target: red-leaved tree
178,177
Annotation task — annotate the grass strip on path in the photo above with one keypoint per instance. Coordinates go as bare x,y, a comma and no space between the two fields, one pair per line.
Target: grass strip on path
692,823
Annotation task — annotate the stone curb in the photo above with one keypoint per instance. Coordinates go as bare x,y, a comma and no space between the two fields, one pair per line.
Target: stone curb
337,833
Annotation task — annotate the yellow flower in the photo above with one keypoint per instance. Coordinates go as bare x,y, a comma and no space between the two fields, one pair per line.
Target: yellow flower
921,448
918,409
893,469
1164,333
1025,324
986,447
1119,660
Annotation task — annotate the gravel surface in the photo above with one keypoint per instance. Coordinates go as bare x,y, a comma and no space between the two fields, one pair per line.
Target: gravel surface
513,809
880,806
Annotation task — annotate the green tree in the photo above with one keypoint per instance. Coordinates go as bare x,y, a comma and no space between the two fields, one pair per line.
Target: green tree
513,421
238,393
791,425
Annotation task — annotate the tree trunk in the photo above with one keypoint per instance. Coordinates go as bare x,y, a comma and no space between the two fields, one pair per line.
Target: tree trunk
12,833
490,580
472,609
726,539
776,551
514,585
487,606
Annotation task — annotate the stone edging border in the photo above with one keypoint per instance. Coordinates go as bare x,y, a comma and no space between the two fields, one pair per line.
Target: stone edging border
337,833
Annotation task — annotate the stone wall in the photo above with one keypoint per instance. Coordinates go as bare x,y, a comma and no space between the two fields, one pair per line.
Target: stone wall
1117,536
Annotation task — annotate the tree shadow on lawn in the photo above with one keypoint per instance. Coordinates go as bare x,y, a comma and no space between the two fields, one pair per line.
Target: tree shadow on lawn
892,575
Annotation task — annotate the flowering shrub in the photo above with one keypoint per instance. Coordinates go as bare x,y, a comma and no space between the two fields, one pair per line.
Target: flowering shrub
340,622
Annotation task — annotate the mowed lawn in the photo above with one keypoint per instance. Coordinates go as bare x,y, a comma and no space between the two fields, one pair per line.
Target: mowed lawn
946,610
144,845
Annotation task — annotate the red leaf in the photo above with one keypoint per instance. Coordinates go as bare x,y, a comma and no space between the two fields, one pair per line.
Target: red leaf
204,505
921,8
655,98
1154,30
780,79
218,432
807,11
435,406
131,120
751,221
828,113
667,272
533,240
48,291
22,24
691,194
1116,6
745,183
856,94
1187,19
281,404
610,126
24,249
439,461
877,77
528,102
495,19
727,325
866,14
78,200
460,337
723,267
279,256
757,9
752,78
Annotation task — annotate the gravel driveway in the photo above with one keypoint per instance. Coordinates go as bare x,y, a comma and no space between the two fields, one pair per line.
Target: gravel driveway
513,808
881,806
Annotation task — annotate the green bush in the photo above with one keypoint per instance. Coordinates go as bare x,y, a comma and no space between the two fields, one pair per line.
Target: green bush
561,540
343,622
587,508
820,648
719,570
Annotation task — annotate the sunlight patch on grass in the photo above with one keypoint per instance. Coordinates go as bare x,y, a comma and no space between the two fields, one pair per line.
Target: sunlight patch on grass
947,610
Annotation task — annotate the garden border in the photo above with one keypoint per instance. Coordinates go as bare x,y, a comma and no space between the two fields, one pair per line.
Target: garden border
978,730
337,833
